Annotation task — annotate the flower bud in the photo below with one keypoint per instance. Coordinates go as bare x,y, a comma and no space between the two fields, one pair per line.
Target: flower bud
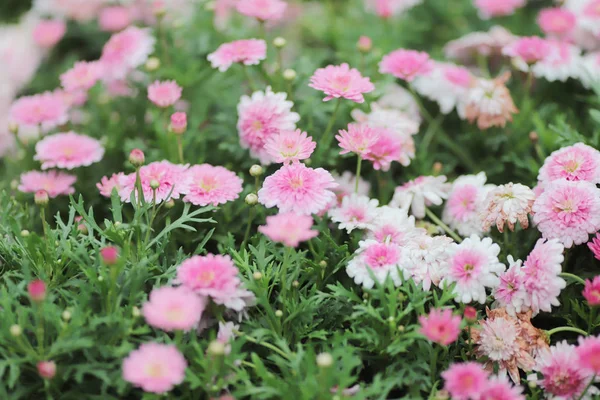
295,284
251,199
401,328
13,128
14,184
170,204
24,233
470,314
365,44
16,330
289,74
279,42
66,315
216,348
257,275
324,360
37,290
137,158
41,198
152,64
109,255
46,369
323,264
534,137
154,184
437,167
442,395
178,123
256,170
135,312
278,313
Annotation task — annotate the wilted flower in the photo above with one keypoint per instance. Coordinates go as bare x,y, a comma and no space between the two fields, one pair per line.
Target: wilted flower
469,48
489,103
507,204
420,193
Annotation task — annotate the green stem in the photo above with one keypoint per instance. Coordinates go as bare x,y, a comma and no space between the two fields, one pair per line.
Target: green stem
138,185
43,218
326,138
39,329
358,164
592,319
248,226
433,363
590,383
442,225
565,329
572,276
267,345
180,149
284,268
152,217
249,78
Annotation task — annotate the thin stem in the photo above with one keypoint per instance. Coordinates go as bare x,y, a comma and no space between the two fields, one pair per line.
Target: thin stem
248,226
433,363
249,78
592,319
528,82
138,185
152,216
39,329
590,383
565,329
163,41
43,218
326,138
572,276
442,225
267,345
358,164
180,149
284,268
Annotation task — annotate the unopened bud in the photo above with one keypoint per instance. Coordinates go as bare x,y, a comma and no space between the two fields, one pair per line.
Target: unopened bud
13,127
257,276
109,255
66,315
135,312
295,284
216,348
100,278
279,42
14,184
470,314
442,395
533,136
323,264
391,319
178,123
46,369
437,167
137,158
154,184
251,199
256,170
324,360
16,330
24,233
365,44
279,313
41,198
289,74
152,64
170,204
400,328
37,290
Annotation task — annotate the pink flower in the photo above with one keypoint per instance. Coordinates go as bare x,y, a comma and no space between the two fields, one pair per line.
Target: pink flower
406,64
589,354
289,146
466,199
53,182
109,255
155,367
173,308
169,177
46,109
206,184
246,51
262,116
49,32
499,388
579,162
376,262
355,212
528,49
264,10
341,81
358,139
289,228
114,18
420,193
465,380
82,76
440,326
489,44
510,292
391,147
568,211
178,122
46,369
68,150
164,94
390,8
106,184
126,51
37,290
497,8
299,189
594,245
591,292
556,21
364,44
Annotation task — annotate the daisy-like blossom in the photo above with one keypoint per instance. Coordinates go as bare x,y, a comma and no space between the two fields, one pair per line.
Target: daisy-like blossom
394,225
106,184
562,62
355,212
246,51
590,69
474,266
557,21
589,354
589,17
390,8
421,192
568,211
298,188
374,261
462,210
465,381
346,184
53,182
173,308
225,335
446,85
206,184
440,326
164,94
262,116
46,109
528,49
397,98
390,147
468,48
510,292
358,139
499,388
82,76
126,51
507,204
170,179
578,162
497,8
264,10
155,367
406,64
591,291
47,33
341,81
489,103
400,122
289,228
68,150
114,18
289,146
427,258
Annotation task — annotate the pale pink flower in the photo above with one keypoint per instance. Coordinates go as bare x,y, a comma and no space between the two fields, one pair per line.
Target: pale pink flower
358,139
390,8
497,8
528,49
53,182
589,69
170,179
390,147
589,354
155,367
463,208
364,44
394,225
447,84
263,10
568,211
578,162
556,21
126,51
397,98
562,62
499,388
37,290
489,102
355,212
465,381
46,369
46,109
510,292
68,150
427,257
164,94
226,335
173,308
246,51
507,204
82,76
262,116
594,246
206,184
47,33
468,48
289,228
290,146
589,16
440,326
406,64
178,123
376,260
114,18
591,292
400,122
341,81
299,189
420,193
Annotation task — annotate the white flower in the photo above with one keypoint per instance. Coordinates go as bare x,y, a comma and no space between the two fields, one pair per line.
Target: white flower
355,212
374,261
510,292
397,121
563,62
589,71
507,204
421,192
394,225
447,84
427,259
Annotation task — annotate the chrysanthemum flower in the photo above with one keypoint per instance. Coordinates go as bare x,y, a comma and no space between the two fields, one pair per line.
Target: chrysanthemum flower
299,189
588,351
568,211
206,184
507,204
510,292
170,179
355,212
591,292
468,48
47,33
578,162
82,76
289,146
528,50
46,109
373,260
589,15
358,139
462,210
440,326
447,84
264,10
394,225
164,94
474,266
421,192
262,116
155,367
68,150
499,388
341,81
106,184
427,257
497,8
557,21
289,228
114,18
126,51
489,103
53,182
562,62
173,308
246,51
465,381
406,64
390,147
